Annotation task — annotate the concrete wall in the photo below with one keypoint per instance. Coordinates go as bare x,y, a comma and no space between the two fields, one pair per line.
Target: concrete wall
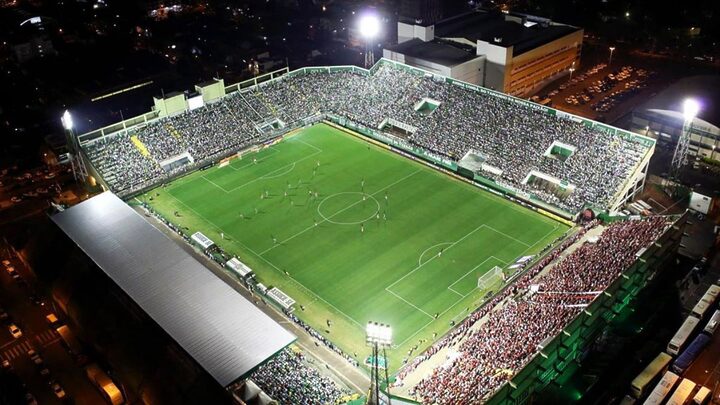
170,105
472,71
212,91
407,32
421,63
497,59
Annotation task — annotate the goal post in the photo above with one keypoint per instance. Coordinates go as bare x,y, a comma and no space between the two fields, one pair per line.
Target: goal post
493,278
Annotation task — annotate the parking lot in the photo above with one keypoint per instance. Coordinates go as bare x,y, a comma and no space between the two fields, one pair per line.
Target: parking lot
599,92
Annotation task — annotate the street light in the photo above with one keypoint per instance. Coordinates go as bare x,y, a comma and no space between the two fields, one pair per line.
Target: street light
612,48
378,335
369,26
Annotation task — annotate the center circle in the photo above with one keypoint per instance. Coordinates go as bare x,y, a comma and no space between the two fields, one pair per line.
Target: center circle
349,208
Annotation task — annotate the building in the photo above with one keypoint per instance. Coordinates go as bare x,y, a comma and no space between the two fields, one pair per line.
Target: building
509,52
661,117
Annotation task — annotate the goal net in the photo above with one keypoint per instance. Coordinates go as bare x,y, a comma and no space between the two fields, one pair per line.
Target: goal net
492,279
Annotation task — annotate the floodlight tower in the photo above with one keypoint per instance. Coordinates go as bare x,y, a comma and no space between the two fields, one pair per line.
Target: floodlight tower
369,29
377,336
690,110
80,172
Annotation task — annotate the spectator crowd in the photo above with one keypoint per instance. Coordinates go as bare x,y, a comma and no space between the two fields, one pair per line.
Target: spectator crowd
511,137
513,324
289,379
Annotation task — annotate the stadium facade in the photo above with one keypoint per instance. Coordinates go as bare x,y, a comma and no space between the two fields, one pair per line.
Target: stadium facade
619,189
509,52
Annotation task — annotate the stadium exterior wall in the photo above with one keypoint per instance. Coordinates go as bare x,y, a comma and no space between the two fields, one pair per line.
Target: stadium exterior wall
575,339
638,175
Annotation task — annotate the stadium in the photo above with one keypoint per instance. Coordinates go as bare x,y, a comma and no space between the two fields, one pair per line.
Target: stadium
483,228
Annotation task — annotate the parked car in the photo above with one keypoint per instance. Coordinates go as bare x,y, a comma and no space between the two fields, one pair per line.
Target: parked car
35,357
15,331
57,390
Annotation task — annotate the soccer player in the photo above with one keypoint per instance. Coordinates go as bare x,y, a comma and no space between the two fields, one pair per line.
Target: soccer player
242,216
315,220
274,239
254,160
362,228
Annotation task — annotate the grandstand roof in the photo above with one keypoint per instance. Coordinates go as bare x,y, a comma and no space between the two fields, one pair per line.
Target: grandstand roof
434,51
488,26
704,88
225,333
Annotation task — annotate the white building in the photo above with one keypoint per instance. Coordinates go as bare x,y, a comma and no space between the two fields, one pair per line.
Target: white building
509,52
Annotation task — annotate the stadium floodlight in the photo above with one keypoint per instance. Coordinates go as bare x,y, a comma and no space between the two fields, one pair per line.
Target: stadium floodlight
369,26
67,121
378,333
690,109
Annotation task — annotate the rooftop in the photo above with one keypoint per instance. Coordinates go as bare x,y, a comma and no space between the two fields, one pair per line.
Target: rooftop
522,32
435,51
225,333
704,88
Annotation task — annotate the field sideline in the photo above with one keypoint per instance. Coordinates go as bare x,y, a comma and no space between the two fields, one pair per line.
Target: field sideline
354,233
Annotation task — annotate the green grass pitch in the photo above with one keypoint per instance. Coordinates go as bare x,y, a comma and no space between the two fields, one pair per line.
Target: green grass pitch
386,239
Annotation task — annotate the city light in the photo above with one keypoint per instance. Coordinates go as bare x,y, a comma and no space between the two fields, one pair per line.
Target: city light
369,26
690,109
67,121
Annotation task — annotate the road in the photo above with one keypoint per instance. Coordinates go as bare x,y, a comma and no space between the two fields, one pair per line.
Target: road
37,334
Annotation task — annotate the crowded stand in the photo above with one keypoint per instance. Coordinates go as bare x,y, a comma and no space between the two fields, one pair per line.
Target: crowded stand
536,307
509,136
290,380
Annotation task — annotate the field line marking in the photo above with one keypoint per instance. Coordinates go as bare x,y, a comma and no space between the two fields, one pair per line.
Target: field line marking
465,296
473,269
539,240
433,258
215,184
425,251
341,211
274,171
274,176
268,155
269,262
310,145
507,236
451,289
409,303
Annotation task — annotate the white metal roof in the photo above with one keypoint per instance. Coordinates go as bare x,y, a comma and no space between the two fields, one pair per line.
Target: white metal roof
225,333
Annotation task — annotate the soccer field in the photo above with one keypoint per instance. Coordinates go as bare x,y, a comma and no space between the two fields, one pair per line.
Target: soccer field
363,234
